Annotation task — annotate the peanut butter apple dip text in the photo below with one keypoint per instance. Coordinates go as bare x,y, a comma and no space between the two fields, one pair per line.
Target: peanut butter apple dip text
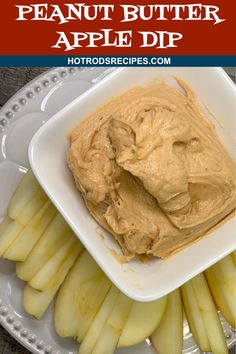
152,170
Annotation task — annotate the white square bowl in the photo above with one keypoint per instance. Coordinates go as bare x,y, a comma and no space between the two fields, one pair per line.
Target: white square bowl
47,155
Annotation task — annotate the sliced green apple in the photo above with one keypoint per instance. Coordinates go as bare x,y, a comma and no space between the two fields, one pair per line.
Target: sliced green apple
194,316
99,321
36,302
168,336
113,327
10,231
26,240
221,279
41,280
142,321
233,255
89,308
32,207
212,325
75,291
25,192
55,235
5,222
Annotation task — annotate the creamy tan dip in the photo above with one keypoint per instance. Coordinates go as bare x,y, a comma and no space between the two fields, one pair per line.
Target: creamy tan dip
152,170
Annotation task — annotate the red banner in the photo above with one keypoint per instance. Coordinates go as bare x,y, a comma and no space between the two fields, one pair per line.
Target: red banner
118,28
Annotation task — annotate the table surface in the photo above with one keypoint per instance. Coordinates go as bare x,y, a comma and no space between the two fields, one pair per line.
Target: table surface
11,80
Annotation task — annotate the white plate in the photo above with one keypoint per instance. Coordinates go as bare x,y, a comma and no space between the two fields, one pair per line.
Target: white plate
47,154
19,119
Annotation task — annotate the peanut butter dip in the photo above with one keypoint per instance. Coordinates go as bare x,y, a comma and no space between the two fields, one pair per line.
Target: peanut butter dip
152,170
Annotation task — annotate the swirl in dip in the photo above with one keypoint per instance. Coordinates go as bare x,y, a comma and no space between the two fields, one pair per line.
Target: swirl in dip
152,170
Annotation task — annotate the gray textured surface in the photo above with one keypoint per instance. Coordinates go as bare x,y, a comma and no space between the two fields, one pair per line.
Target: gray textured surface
11,80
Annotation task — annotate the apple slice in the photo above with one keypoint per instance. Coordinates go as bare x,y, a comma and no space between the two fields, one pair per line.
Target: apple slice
5,222
10,231
32,207
36,302
25,192
142,321
100,320
210,318
168,336
114,326
194,316
53,238
73,292
44,277
233,255
216,287
89,308
26,240
221,279
228,273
